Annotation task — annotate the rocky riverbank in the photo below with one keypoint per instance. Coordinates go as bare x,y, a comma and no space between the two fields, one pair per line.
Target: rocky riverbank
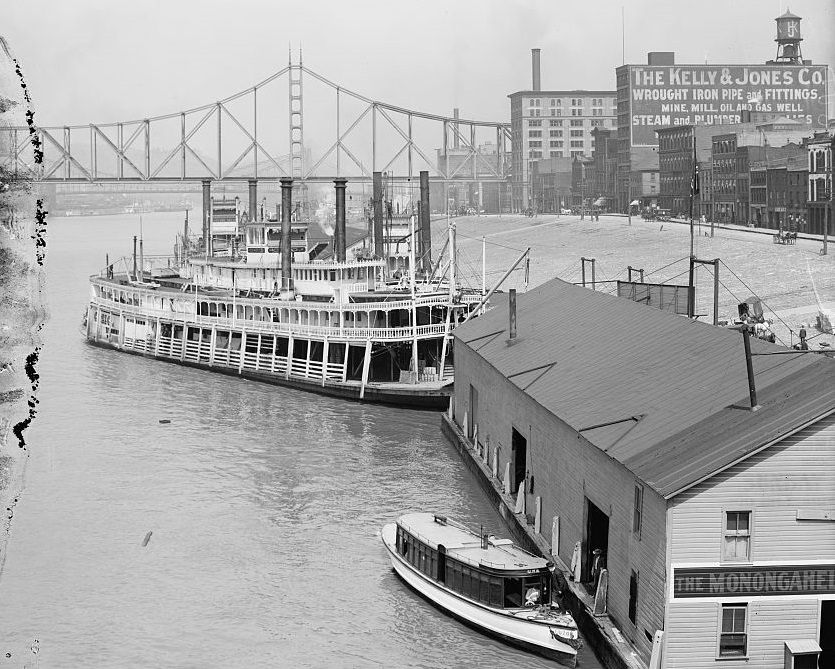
22,252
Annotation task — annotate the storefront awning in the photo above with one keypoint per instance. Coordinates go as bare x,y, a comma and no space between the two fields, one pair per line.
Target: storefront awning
599,202
634,203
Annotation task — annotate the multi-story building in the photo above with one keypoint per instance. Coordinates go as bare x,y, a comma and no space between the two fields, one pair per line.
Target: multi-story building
722,153
604,167
819,200
731,170
758,196
582,196
662,94
678,147
551,181
644,187
773,196
797,168
552,124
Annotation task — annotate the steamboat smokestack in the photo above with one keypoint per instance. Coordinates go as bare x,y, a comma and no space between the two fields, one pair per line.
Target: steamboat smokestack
253,200
339,230
535,69
286,248
425,225
456,143
207,208
377,202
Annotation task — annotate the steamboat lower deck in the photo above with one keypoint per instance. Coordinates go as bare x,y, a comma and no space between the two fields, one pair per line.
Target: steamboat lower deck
367,351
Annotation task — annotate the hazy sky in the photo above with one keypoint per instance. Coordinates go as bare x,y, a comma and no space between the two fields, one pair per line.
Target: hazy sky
110,60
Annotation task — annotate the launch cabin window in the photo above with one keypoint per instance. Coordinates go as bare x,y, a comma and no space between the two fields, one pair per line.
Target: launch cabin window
733,641
737,536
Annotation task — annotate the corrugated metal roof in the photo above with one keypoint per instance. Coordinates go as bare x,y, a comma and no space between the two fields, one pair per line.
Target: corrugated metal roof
662,394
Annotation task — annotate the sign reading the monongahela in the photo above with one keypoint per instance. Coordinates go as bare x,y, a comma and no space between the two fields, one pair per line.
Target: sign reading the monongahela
753,581
714,94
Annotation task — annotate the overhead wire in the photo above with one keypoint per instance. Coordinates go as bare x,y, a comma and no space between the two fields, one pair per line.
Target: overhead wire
655,271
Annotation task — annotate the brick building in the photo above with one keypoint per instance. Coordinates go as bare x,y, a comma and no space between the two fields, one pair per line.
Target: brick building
773,188
676,155
820,183
798,183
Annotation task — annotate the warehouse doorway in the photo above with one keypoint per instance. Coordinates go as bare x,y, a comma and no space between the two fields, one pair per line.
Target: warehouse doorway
473,411
519,455
826,659
597,538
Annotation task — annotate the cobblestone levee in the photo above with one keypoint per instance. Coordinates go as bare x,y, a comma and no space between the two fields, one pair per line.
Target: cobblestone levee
785,277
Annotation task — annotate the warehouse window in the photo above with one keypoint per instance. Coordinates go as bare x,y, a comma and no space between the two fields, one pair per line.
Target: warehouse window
733,640
637,511
737,536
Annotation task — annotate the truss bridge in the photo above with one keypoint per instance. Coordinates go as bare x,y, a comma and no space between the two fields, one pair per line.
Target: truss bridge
296,124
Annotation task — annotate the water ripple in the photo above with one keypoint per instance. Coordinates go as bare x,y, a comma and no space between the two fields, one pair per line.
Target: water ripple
264,504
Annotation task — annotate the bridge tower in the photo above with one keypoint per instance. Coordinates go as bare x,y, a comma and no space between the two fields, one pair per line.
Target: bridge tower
788,39
296,99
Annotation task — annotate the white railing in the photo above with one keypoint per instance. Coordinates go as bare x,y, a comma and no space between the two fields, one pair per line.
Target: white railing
274,328
201,352
389,305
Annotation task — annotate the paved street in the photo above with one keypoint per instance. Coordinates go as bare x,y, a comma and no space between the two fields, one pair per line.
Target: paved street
784,277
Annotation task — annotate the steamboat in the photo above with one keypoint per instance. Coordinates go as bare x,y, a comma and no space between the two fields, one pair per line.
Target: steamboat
255,299
489,584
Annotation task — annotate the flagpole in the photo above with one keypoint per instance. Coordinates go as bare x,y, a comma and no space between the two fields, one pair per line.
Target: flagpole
692,188
691,297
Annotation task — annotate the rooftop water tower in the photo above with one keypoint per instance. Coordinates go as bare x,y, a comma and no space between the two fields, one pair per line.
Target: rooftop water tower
788,39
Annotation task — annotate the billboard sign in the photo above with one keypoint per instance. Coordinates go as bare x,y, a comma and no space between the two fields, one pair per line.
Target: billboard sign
670,95
663,296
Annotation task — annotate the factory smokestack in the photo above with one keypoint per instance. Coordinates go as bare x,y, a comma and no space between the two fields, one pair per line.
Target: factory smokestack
535,69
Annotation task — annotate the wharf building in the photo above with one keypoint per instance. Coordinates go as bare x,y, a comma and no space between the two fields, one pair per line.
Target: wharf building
643,449
663,93
548,124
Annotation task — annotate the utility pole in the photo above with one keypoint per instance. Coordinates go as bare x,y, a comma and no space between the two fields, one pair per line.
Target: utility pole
829,193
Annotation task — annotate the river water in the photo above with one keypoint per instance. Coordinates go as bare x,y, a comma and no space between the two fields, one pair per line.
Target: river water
264,505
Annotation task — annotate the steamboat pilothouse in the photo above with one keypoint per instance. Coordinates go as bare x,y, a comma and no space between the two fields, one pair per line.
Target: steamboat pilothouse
267,306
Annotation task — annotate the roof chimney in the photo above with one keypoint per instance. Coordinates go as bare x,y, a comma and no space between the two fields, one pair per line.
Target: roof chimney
511,303
535,68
